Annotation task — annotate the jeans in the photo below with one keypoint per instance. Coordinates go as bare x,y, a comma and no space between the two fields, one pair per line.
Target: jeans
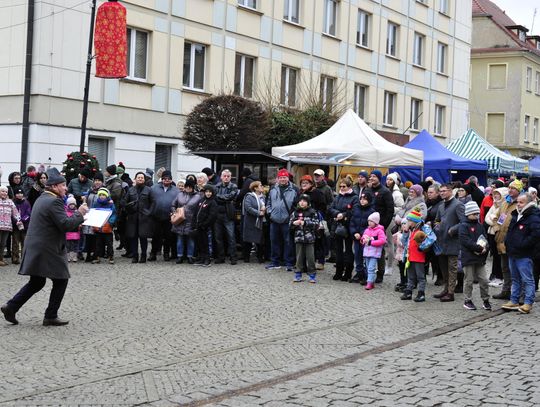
224,226
35,285
506,273
371,266
189,241
280,240
521,270
359,258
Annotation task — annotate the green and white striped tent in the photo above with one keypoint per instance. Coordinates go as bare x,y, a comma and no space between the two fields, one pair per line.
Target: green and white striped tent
472,146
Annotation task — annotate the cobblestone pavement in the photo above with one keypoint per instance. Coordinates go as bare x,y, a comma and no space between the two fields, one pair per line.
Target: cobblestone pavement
161,334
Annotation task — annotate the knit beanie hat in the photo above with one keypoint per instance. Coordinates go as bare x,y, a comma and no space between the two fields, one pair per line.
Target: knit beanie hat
517,184
103,191
190,183
208,171
414,216
375,217
498,183
418,190
111,169
307,177
283,173
377,173
363,174
86,172
394,176
408,184
18,190
149,173
71,200
99,176
166,174
305,197
209,187
367,196
471,207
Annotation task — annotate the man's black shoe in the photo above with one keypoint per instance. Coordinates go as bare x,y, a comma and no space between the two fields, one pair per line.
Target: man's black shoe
54,322
9,315
219,261
152,257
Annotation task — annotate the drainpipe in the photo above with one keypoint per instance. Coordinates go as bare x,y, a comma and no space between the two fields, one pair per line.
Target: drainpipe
27,84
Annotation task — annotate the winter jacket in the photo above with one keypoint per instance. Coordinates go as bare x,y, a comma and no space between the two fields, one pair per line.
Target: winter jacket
304,233
206,213
505,217
469,232
25,210
432,208
318,200
252,227
190,203
522,239
72,235
28,180
359,219
36,190
114,185
225,198
326,191
163,200
492,215
12,185
413,250
450,214
374,247
275,204
476,194
8,215
78,188
138,205
487,203
245,188
345,204
397,196
384,203
107,204
399,247
411,204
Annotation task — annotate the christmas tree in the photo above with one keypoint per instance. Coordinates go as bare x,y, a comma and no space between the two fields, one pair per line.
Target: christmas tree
76,162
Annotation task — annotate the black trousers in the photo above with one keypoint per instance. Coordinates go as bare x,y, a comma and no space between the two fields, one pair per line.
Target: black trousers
163,237
201,243
35,285
104,245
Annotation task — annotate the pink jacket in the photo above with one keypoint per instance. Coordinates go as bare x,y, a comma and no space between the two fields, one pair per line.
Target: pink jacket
72,235
375,246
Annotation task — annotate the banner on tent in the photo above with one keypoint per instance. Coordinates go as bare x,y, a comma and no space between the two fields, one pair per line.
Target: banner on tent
316,157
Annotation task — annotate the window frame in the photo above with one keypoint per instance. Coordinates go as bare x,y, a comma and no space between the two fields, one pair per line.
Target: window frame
526,125
360,104
242,82
330,5
287,11
389,111
362,28
443,7
438,125
442,57
537,83
528,78
418,49
285,85
191,85
325,81
535,131
245,3
395,38
416,113
131,32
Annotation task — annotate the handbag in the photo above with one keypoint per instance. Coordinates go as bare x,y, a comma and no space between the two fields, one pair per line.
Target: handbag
178,216
341,230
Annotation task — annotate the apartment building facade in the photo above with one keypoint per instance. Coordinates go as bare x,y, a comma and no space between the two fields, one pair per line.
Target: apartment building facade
402,65
505,81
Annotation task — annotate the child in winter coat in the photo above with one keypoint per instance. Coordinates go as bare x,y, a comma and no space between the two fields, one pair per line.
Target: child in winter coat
359,223
104,234
414,266
72,238
374,239
204,219
474,245
19,233
8,215
400,238
304,223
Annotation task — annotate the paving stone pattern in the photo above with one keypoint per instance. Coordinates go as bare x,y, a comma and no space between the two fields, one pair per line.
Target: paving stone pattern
161,334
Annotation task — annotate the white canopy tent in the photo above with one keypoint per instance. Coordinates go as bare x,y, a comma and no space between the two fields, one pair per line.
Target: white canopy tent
350,141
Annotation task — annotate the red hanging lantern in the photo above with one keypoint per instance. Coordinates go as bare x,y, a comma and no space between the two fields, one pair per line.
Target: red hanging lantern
110,41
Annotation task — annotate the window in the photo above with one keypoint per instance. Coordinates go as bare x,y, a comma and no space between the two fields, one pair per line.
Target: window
497,76
162,157
441,57
248,3
439,119
495,127
537,83
292,11
362,29
443,6
330,17
243,76
522,35
526,129
416,114
100,148
289,77
137,50
528,79
360,93
535,130
327,91
389,108
418,58
391,39
194,66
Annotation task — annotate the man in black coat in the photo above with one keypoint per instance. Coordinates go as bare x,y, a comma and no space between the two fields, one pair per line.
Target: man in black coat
247,178
384,204
44,253
476,194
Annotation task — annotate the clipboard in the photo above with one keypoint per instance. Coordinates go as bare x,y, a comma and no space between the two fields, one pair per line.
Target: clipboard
97,217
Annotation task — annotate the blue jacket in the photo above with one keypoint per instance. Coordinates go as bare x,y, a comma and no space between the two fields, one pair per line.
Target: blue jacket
523,234
275,204
108,204
359,219
163,200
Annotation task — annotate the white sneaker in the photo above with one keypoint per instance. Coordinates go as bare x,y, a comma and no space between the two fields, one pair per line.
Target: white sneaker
388,271
495,283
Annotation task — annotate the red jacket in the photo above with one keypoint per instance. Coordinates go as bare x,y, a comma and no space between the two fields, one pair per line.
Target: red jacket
414,252
484,208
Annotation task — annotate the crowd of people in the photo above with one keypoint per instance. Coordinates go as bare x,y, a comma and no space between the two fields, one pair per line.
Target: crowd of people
366,226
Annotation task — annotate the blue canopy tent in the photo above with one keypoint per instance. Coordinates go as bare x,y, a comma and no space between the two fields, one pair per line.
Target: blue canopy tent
439,162
534,167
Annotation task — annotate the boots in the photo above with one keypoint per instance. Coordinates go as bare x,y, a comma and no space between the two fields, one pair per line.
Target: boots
142,259
420,297
348,272
459,285
407,295
440,295
447,297
2,262
339,272
503,295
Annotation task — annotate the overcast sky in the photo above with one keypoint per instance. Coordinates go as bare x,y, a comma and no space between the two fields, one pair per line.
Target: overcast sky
522,11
